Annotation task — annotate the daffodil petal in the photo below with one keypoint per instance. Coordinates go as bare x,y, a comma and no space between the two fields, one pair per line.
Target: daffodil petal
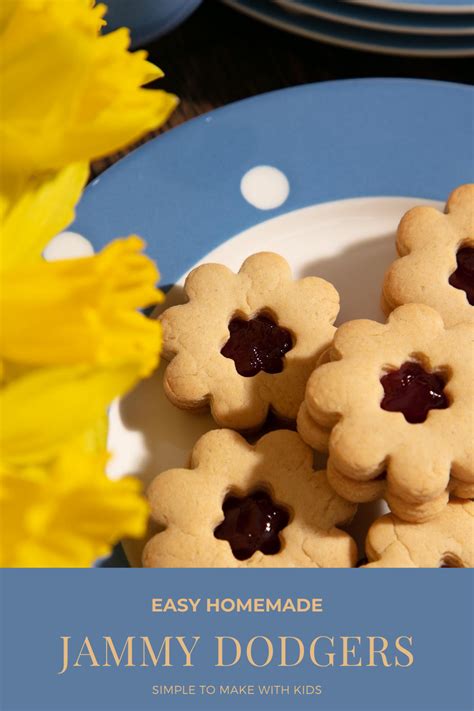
67,512
68,93
135,120
44,408
31,220
83,310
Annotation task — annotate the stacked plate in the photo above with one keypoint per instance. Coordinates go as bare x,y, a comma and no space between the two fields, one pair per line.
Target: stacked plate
147,19
424,28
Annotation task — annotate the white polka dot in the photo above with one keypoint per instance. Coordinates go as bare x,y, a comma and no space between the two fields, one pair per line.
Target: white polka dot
265,187
67,245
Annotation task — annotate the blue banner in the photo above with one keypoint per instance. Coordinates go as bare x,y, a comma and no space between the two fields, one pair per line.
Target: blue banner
87,640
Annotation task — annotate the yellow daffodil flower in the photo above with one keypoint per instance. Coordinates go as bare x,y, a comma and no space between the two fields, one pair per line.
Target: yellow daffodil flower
68,93
83,310
71,341
42,409
66,513
72,337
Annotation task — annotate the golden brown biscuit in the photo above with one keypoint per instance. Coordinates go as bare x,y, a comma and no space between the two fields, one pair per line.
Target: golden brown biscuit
246,342
394,407
446,541
243,506
437,259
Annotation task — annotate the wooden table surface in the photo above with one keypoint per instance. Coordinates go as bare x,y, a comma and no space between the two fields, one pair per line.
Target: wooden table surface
219,55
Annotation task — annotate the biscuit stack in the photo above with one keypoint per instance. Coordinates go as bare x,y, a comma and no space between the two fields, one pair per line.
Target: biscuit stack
391,404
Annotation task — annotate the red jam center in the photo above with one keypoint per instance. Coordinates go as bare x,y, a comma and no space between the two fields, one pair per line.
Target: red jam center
413,392
463,277
450,561
252,523
257,344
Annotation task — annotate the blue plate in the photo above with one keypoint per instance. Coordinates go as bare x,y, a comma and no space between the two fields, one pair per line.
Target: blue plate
316,28
447,6
333,140
380,19
320,173
148,19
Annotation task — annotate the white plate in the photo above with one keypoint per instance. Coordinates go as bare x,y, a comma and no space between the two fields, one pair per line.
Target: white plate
348,242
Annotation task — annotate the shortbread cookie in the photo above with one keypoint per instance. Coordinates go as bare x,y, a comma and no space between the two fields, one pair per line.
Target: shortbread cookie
247,342
243,506
437,259
446,541
394,408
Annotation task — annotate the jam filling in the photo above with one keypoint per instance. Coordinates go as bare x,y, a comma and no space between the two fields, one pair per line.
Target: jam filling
257,344
252,523
463,277
450,561
413,392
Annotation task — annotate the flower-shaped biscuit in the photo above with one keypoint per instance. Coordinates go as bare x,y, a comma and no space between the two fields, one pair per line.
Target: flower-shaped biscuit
243,506
395,409
437,259
446,541
246,342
